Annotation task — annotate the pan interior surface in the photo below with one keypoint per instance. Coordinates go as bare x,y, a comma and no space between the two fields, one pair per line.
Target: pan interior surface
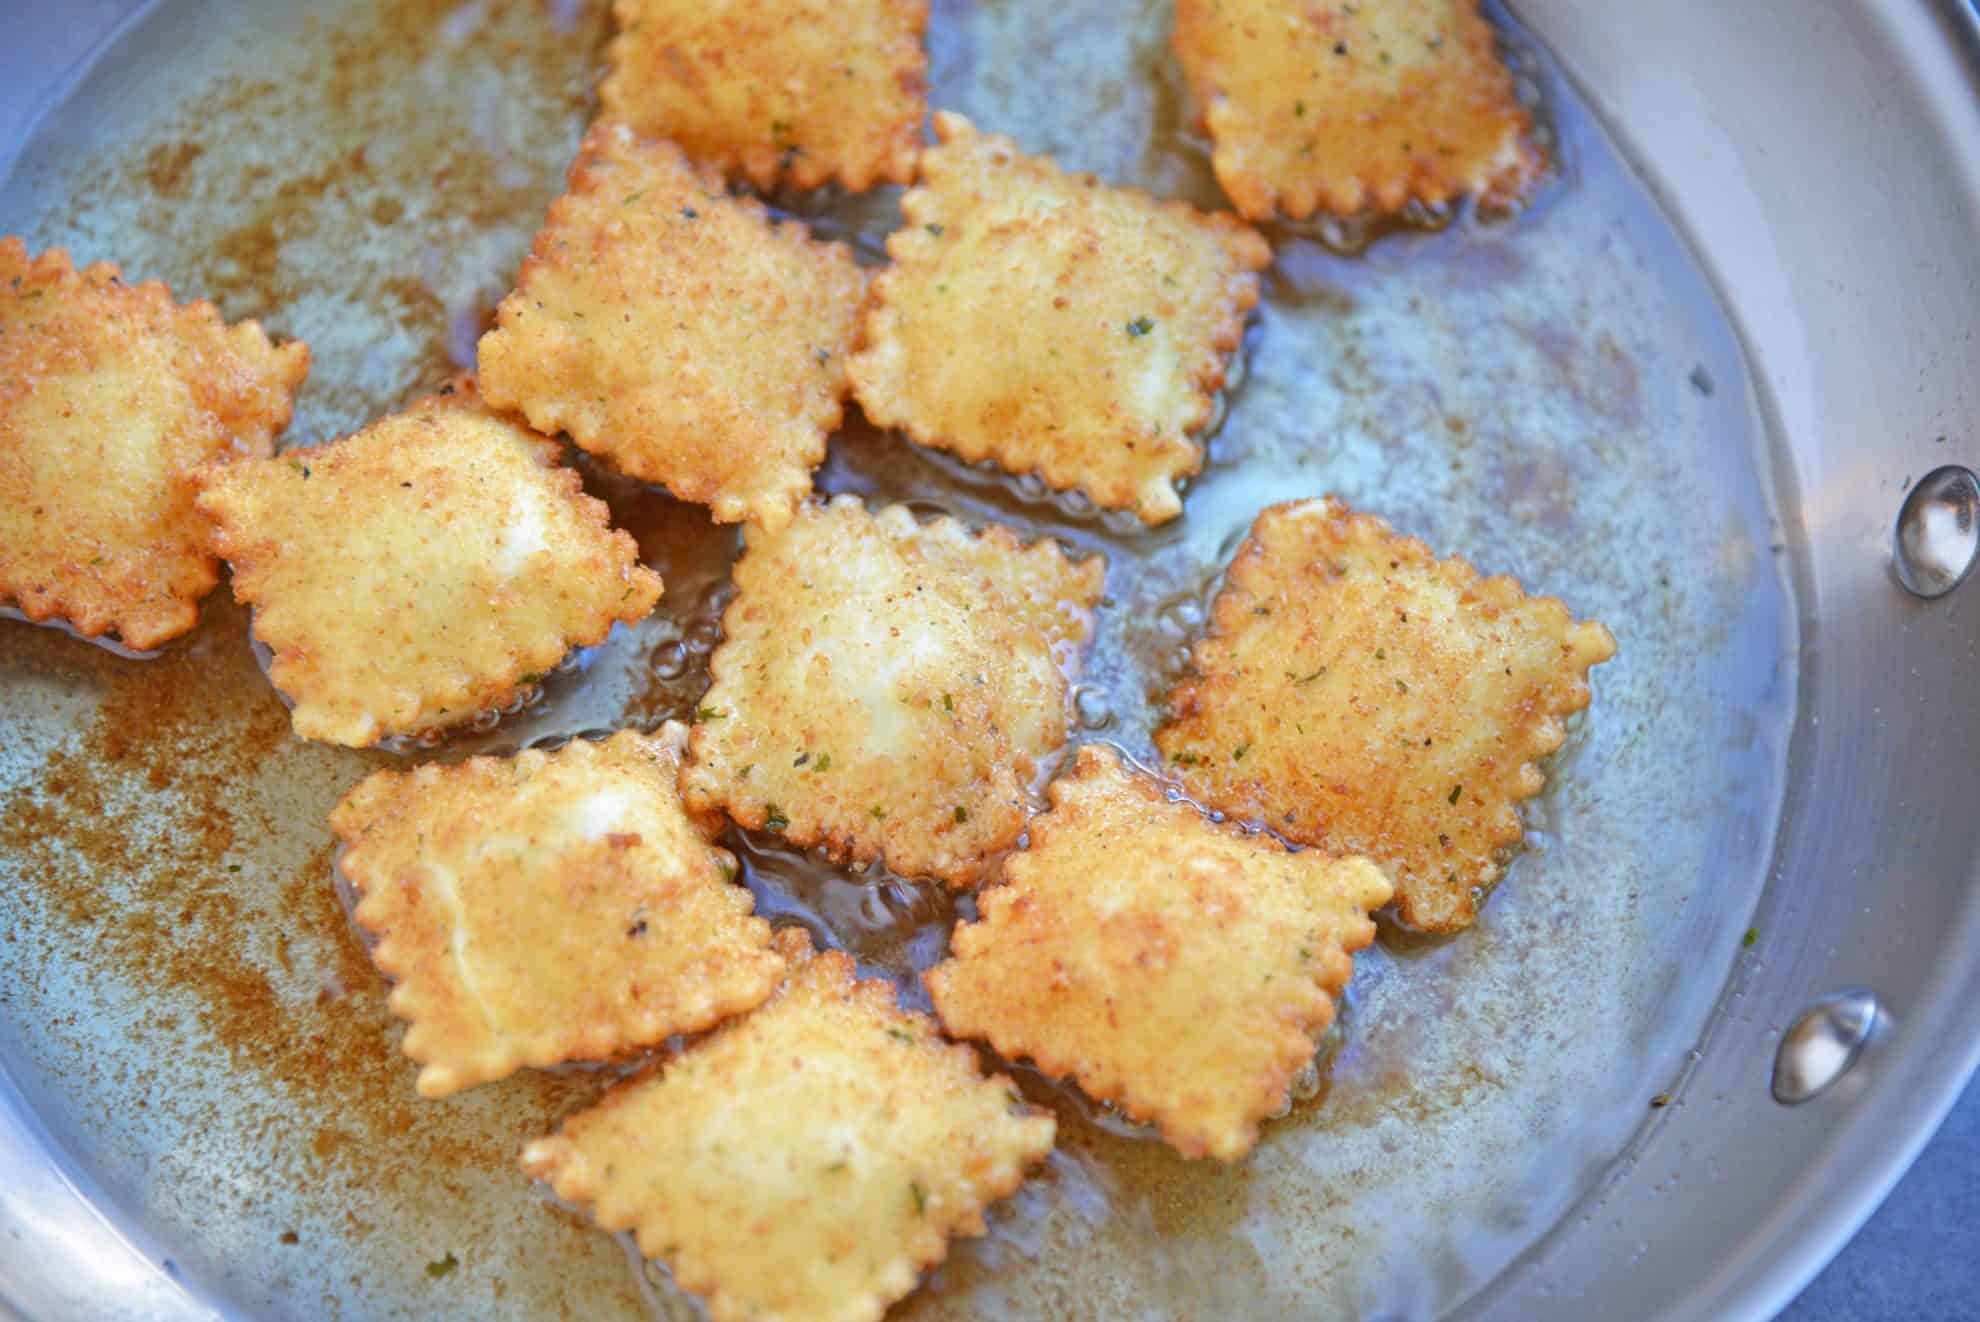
1557,397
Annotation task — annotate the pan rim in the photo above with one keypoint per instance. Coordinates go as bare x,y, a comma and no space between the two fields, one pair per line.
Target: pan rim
1753,1284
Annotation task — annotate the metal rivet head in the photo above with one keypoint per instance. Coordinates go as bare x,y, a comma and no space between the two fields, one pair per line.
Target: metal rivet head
1822,1043
1937,538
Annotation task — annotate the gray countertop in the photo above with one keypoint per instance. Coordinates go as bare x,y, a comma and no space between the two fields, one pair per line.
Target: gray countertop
1918,1259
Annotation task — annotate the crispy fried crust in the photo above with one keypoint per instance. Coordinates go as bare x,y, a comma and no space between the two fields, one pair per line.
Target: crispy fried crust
1179,968
549,907
679,332
797,92
426,569
1358,694
1055,324
807,1161
884,686
1354,107
110,394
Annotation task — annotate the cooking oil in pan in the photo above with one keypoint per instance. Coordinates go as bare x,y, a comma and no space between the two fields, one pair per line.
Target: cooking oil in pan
1553,395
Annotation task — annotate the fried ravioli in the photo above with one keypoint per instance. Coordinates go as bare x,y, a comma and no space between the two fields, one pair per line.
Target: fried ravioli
1177,967
549,907
1356,693
428,568
807,1161
888,686
1055,324
679,332
797,92
110,395
1354,108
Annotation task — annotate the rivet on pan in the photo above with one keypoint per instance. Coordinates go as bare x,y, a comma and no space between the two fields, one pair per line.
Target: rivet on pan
1937,538
1822,1043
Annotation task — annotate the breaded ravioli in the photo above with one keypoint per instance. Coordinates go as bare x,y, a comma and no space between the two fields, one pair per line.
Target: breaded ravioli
891,687
1055,324
679,332
110,395
549,907
1356,693
807,1161
428,568
1177,967
783,92
1355,107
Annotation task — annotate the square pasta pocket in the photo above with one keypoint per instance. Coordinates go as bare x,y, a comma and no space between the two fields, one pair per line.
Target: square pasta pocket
431,567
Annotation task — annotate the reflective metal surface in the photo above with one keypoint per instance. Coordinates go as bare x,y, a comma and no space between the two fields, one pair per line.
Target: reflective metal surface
1937,537
1821,1045
1855,286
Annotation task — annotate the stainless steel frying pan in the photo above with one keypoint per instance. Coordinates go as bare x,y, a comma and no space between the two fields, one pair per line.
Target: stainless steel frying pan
1775,1000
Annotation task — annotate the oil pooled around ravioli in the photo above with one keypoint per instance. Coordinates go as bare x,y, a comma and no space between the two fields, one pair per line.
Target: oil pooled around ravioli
186,1006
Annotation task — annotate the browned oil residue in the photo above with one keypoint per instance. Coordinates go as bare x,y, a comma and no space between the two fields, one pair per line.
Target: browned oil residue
162,790
175,843
374,205
176,851
173,847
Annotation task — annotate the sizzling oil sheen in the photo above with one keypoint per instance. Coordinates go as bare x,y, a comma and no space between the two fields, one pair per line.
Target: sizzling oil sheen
1557,397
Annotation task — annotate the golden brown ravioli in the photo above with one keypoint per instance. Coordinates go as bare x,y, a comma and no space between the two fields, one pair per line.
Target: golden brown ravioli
679,332
549,907
798,92
1354,106
1055,324
428,568
110,395
1178,968
1356,693
885,686
807,1161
